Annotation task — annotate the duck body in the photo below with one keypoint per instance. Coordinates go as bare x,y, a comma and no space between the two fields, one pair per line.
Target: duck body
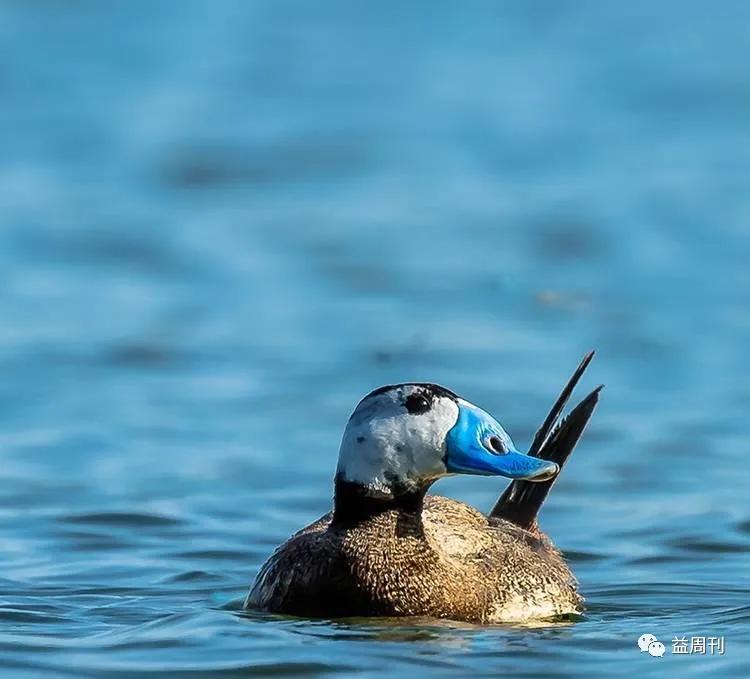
389,549
448,561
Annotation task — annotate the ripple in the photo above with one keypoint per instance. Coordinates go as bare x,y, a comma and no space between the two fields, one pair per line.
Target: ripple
143,355
236,669
121,519
85,540
215,555
15,615
192,576
707,545
577,556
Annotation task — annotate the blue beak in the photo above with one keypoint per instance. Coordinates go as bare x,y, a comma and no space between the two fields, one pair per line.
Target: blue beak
477,444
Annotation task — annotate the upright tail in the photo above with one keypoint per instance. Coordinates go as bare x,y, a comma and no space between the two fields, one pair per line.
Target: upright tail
522,500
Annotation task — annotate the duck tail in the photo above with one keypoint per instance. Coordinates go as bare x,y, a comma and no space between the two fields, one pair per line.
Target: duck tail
522,500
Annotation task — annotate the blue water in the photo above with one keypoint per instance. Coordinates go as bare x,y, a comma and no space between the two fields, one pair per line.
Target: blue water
222,223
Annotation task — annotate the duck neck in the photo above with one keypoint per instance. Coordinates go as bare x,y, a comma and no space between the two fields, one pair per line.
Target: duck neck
354,503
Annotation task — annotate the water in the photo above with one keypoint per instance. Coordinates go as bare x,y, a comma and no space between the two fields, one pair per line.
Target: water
224,223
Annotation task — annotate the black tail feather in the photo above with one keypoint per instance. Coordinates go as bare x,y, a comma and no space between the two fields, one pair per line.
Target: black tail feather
522,500
554,414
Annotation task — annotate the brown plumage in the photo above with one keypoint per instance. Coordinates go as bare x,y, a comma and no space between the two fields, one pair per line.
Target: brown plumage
449,562
388,549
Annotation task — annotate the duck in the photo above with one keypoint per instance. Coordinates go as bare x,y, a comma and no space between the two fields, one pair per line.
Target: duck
390,549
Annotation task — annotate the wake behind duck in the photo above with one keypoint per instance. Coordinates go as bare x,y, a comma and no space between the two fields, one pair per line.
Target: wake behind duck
388,549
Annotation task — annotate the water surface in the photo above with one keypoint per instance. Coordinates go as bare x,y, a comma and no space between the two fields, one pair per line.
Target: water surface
222,223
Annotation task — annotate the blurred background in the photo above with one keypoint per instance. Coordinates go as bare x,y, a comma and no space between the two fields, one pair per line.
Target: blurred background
222,223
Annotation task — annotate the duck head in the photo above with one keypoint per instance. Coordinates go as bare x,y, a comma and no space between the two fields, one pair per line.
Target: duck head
401,438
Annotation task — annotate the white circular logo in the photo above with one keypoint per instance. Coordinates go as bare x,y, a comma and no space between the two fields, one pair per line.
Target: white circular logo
656,649
644,640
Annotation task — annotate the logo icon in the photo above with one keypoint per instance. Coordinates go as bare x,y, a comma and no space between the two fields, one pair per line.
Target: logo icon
649,643
644,640
656,649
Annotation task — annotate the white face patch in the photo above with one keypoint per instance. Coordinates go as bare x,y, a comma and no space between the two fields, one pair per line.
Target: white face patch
385,444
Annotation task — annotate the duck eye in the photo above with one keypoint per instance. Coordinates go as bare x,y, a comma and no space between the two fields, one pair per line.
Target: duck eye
417,404
496,445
